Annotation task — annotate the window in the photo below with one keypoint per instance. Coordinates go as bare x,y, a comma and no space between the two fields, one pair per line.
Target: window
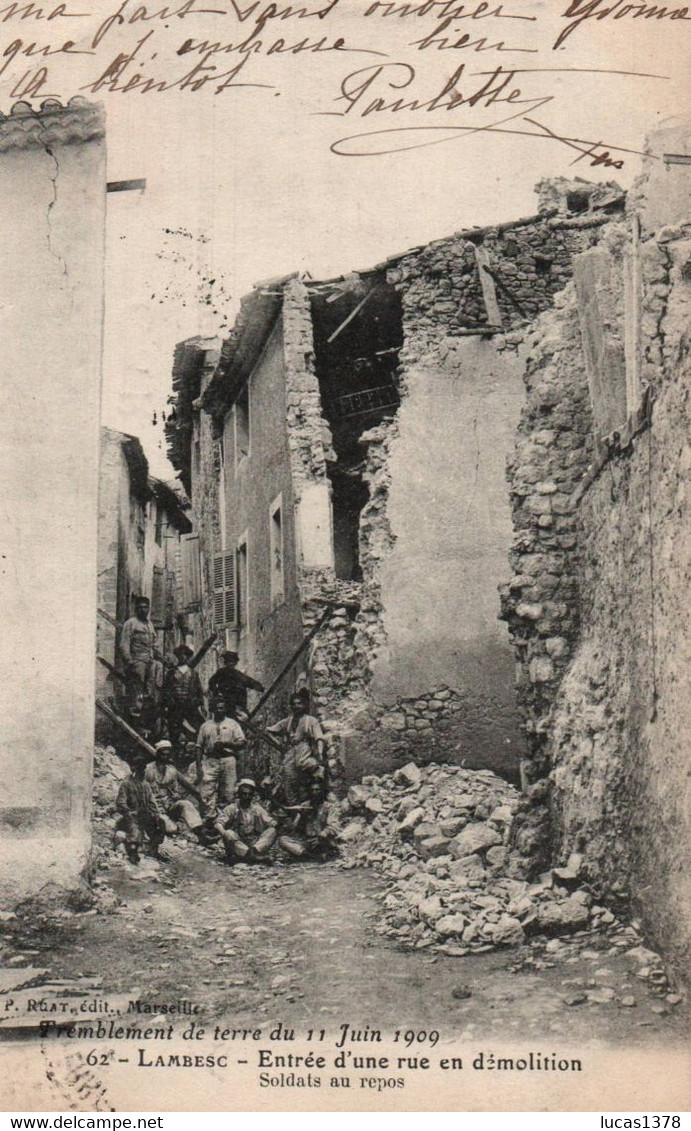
243,596
225,596
158,597
242,425
276,551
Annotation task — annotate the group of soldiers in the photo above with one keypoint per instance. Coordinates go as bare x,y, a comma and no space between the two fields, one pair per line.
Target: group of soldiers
207,775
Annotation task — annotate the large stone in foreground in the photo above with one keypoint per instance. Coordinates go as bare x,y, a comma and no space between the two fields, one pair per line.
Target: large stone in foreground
561,917
477,837
450,925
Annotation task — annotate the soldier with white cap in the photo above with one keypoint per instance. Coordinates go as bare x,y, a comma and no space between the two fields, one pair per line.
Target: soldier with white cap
166,785
247,830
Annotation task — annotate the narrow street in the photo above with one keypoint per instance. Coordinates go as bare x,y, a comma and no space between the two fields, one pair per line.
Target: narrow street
297,944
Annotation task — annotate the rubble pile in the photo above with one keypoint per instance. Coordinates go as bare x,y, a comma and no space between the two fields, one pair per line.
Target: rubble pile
109,771
443,835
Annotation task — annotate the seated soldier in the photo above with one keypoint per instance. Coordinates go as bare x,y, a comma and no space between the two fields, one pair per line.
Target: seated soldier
247,830
140,816
314,831
166,784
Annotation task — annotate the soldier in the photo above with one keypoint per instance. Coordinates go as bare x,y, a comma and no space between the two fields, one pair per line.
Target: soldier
304,760
314,831
233,685
167,784
183,697
137,646
219,744
140,816
247,830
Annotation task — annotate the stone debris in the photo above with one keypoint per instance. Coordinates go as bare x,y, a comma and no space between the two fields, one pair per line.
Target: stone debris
444,837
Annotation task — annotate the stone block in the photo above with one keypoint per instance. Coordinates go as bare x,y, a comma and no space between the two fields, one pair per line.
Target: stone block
408,775
496,856
470,868
528,611
433,846
558,917
476,837
373,807
507,931
430,909
424,830
357,796
452,825
394,721
450,925
541,669
410,822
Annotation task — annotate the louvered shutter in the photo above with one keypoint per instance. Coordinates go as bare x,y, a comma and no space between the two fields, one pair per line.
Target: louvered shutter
170,598
190,572
225,596
158,597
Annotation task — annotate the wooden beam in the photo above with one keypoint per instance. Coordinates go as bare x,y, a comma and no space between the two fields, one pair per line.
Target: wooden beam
126,186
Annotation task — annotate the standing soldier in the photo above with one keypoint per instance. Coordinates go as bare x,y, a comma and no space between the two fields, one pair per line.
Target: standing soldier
137,645
303,763
219,744
183,697
233,685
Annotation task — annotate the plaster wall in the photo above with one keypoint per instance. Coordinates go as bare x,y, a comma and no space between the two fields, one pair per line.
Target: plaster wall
450,521
52,211
273,629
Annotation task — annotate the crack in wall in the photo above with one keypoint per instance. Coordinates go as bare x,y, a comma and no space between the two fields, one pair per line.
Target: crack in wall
51,205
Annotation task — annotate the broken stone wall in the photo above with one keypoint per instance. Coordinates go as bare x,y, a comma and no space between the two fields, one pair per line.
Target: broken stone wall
52,220
415,661
605,686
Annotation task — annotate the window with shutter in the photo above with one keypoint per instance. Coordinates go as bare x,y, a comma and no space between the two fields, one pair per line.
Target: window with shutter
171,587
158,597
225,599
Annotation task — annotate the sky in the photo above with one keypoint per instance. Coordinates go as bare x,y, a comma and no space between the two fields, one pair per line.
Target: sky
243,187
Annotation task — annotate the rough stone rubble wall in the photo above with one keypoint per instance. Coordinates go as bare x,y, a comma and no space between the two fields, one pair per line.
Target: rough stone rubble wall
598,605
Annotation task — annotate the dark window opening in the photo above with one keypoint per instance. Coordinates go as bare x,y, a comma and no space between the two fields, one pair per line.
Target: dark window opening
348,496
578,201
358,333
543,265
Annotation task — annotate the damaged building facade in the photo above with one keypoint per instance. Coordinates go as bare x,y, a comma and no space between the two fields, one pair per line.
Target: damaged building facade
345,454
142,530
347,450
